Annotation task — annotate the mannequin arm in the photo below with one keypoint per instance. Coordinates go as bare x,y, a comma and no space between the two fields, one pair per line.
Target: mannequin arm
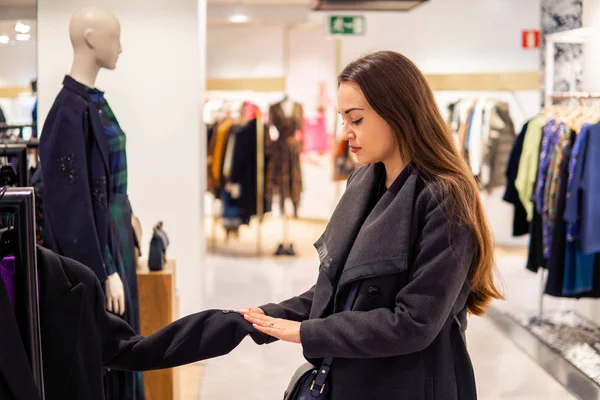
115,294
67,195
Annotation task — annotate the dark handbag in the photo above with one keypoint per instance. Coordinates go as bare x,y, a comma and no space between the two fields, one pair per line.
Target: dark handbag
310,383
158,247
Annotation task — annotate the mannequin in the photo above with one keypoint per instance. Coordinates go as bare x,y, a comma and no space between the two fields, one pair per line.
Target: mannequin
284,171
84,166
288,107
96,38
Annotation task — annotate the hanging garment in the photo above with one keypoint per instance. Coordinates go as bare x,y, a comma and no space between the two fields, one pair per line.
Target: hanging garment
497,145
284,176
528,165
474,143
575,184
121,253
535,257
315,135
244,170
7,274
554,185
230,192
590,213
556,258
550,135
80,338
520,224
216,154
579,267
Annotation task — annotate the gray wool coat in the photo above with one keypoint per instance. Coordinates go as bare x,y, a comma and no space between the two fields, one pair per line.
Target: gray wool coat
404,338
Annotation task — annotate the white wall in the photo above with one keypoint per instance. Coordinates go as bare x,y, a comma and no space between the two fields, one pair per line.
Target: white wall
591,50
454,36
156,94
18,65
245,51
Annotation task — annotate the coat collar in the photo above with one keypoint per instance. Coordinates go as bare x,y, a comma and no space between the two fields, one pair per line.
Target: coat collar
357,236
84,93
61,307
14,366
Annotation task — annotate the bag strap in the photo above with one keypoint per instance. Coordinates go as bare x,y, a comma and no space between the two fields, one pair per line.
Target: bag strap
318,384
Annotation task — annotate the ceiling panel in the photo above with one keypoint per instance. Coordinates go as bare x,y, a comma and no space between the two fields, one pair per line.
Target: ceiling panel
17,3
8,28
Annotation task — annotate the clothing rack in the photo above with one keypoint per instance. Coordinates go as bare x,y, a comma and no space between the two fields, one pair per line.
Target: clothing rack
553,97
19,151
21,203
21,128
260,194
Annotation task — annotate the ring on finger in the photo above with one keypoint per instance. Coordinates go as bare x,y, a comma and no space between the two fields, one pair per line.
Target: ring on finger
271,324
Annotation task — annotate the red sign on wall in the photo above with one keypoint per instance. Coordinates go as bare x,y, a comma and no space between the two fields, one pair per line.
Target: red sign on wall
531,39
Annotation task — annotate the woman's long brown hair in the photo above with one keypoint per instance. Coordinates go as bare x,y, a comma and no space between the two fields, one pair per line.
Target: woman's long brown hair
398,91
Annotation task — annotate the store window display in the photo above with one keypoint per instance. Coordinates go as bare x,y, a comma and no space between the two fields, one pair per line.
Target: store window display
84,168
408,241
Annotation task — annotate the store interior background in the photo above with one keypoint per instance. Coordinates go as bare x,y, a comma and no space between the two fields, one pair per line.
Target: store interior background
178,54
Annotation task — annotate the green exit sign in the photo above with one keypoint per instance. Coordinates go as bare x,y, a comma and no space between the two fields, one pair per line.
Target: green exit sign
344,25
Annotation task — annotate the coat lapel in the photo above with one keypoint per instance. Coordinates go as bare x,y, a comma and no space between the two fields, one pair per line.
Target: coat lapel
348,217
100,135
383,242
14,363
359,242
95,121
61,311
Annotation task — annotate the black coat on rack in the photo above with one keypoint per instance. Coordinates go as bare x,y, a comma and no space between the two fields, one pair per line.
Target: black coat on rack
244,170
79,337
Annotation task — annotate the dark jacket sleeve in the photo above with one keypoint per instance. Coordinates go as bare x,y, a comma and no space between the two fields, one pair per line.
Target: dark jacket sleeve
440,270
67,196
197,337
294,309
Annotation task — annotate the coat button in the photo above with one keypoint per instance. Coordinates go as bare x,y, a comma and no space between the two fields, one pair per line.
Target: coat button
373,291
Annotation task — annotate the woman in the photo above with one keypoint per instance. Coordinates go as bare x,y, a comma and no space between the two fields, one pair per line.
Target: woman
411,232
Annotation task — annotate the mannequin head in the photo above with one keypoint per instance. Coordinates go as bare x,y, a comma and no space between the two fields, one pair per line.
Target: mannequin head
96,38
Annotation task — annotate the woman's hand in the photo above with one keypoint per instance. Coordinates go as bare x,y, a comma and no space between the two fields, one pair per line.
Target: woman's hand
282,329
253,310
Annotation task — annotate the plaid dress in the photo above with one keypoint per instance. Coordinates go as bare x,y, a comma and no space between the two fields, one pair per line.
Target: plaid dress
120,254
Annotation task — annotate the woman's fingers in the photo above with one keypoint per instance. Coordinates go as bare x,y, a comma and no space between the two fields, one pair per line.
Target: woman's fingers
258,318
254,310
269,331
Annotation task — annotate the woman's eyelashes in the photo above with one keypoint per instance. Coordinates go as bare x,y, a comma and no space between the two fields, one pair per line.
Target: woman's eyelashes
355,122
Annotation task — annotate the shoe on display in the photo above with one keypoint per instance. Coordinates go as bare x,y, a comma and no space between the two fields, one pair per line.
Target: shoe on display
280,250
290,251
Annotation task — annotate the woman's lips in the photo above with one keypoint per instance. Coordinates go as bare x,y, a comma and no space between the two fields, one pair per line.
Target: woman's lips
354,149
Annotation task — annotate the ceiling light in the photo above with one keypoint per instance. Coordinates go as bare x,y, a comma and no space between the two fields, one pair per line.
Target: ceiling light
21,27
23,37
4,39
238,18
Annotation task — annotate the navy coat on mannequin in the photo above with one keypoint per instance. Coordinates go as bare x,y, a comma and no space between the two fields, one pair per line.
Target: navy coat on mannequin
74,158
79,337
404,338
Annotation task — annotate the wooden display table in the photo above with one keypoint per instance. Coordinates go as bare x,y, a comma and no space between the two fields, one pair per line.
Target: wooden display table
158,308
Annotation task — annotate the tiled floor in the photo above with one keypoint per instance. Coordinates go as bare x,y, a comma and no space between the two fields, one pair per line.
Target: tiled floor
261,372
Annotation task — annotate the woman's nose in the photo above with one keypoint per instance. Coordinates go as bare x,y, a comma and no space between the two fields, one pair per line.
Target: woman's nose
347,133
